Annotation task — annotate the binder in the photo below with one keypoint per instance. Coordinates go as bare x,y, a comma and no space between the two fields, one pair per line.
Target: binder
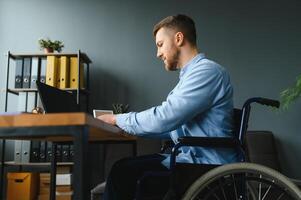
31,101
19,73
65,153
64,68
58,70
71,157
34,73
26,151
42,151
26,72
51,71
58,153
21,107
74,73
18,151
43,71
48,151
25,157
26,102
34,151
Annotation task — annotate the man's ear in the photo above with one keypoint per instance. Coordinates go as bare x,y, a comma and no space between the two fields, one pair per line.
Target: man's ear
179,39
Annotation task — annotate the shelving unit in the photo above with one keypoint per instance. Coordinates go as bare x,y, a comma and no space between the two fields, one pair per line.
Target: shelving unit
78,92
40,58
81,57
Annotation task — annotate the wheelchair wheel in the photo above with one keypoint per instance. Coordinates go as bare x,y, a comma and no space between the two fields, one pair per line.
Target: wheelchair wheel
242,181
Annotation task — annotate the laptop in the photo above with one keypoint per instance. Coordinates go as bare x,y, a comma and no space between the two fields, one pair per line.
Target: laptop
55,100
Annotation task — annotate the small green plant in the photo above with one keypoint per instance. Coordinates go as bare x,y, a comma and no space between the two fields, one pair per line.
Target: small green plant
119,108
55,45
289,95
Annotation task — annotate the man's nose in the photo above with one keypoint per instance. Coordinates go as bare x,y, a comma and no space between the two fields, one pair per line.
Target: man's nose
159,54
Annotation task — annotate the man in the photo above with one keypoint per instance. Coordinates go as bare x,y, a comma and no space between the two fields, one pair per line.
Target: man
199,105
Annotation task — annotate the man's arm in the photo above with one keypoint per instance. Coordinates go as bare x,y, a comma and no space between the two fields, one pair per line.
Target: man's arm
111,119
196,93
108,118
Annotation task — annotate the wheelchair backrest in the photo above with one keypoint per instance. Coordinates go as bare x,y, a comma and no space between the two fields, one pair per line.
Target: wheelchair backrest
241,116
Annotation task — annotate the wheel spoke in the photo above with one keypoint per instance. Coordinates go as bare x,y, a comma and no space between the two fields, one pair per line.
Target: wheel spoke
222,189
280,196
235,191
216,196
267,191
259,189
249,191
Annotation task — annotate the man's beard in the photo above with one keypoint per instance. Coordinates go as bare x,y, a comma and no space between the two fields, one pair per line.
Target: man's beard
173,64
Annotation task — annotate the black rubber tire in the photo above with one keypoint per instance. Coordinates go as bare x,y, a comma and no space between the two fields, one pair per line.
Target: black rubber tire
273,177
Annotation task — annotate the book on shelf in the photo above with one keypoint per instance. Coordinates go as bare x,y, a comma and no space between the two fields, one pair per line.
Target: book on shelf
26,151
34,72
25,157
19,73
43,150
52,71
43,71
35,151
64,69
18,151
74,73
26,72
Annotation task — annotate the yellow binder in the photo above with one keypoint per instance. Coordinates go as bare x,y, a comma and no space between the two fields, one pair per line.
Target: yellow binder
58,71
63,79
51,70
74,73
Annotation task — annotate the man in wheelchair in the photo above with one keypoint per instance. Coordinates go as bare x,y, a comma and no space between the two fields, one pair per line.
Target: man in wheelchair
201,104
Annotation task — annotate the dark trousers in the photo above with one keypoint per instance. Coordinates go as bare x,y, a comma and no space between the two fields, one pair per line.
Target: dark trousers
122,181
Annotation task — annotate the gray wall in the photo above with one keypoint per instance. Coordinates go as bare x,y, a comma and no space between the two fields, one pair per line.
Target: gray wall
257,41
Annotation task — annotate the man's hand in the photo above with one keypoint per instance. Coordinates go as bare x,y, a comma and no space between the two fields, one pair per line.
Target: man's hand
108,118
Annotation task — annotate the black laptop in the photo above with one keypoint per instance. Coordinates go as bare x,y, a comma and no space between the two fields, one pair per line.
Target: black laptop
55,100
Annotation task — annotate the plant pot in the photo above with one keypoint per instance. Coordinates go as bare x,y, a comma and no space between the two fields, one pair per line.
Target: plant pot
48,50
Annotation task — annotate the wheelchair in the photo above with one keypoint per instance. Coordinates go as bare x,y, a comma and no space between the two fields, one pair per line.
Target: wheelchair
239,181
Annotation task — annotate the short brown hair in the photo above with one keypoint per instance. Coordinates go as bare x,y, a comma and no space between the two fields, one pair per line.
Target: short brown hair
181,23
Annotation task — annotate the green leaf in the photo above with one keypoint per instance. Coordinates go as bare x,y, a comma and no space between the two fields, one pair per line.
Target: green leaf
289,95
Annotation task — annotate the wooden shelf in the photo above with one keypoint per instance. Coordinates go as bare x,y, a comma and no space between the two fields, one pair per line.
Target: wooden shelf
18,90
13,163
84,56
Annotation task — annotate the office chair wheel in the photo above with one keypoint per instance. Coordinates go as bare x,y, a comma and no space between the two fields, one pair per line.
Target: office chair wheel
242,181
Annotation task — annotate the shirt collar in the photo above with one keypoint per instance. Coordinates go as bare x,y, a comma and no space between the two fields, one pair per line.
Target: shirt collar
191,63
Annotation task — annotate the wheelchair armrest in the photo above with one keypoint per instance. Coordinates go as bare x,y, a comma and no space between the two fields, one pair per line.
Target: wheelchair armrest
216,142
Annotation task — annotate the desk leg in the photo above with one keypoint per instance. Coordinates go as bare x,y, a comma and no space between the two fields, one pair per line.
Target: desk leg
53,172
80,170
2,178
134,147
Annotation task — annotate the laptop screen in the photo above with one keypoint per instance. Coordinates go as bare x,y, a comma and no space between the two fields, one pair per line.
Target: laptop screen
55,100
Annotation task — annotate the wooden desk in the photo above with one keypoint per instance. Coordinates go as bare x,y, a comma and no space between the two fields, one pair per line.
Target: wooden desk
61,127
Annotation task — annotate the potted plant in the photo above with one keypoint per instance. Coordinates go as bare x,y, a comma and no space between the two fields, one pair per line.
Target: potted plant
50,46
289,95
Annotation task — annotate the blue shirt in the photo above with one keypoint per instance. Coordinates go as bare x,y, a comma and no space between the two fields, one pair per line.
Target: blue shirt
201,105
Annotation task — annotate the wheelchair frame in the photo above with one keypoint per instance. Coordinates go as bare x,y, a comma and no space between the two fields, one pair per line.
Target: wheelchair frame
237,142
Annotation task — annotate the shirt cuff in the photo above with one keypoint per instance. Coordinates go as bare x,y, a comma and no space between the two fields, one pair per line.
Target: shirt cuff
121,120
